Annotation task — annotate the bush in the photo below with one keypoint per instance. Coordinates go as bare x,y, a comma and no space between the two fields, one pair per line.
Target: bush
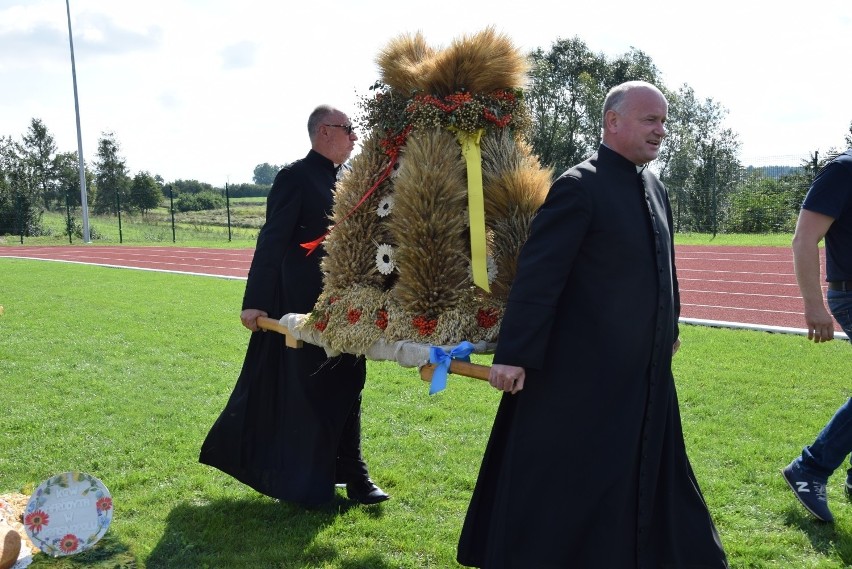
201,201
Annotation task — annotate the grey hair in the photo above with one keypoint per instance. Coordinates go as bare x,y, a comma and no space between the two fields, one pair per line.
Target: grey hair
317,116
614,100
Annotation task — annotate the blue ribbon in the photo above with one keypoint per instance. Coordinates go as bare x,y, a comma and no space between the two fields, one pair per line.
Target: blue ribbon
442,360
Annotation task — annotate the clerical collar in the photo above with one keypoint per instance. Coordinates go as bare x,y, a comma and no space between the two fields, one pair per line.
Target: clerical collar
639,167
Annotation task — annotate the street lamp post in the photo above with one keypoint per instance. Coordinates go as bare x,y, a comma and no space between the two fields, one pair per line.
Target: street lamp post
84,202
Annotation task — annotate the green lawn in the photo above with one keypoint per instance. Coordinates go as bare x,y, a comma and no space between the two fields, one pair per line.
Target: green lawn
119,374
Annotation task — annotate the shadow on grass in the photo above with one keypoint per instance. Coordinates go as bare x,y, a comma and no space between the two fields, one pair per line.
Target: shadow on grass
107,553
254,533
825,538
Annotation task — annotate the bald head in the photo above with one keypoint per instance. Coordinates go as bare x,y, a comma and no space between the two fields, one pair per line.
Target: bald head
634,116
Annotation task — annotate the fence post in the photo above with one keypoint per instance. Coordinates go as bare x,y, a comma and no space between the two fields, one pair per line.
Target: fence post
118,210
68,224
228,208
172,210
20,215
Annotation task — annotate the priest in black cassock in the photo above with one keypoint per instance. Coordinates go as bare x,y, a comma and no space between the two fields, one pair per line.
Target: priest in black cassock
292,426
586,465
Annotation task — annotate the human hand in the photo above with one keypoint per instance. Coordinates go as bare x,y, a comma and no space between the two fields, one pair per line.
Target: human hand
249,318
509,379
820,324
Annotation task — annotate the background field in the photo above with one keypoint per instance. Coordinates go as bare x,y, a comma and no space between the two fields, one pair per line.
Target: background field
120,373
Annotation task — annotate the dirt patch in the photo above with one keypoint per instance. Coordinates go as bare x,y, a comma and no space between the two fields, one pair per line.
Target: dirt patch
12,508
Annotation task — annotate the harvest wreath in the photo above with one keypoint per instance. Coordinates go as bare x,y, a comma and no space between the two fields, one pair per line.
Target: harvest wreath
428,222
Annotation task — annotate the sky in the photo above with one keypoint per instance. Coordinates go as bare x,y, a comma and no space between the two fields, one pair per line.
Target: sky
208,89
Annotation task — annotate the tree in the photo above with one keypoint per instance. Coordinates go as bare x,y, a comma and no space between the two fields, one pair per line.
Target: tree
567,88
66,170
145,192
698,161
111,177
190,186
19,213
37,154
265,173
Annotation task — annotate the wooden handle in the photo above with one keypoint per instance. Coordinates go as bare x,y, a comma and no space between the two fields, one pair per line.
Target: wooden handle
274,325
458,367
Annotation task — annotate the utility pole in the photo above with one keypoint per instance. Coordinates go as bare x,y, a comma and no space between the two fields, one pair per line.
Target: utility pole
84,202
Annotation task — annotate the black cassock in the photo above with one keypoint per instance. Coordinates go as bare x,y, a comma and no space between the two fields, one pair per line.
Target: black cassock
292,412
586,466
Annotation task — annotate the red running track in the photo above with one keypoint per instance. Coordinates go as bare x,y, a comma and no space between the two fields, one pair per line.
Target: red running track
750,287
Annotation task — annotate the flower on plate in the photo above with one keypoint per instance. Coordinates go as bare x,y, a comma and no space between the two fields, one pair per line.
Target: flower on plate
36,521
104,504
69,543
384,259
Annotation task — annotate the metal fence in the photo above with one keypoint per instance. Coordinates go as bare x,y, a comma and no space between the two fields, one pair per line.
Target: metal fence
763,195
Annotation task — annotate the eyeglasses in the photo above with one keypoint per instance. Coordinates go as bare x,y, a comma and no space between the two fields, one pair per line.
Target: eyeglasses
347,127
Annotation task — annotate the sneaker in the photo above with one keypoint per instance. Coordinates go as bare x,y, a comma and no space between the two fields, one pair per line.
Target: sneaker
847,489
810,492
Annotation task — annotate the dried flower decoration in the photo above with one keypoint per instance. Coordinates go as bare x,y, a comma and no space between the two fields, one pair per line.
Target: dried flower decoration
385,206
384,259
490,266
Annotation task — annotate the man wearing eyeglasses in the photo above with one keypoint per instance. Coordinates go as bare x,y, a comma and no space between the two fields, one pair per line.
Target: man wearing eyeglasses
292,426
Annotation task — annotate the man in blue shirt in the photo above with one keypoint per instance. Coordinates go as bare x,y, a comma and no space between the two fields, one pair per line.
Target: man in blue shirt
826,213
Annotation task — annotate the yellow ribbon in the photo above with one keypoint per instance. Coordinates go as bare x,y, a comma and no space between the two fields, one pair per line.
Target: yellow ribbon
475,205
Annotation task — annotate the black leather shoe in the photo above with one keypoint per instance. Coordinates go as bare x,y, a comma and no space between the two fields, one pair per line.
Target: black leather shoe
366,492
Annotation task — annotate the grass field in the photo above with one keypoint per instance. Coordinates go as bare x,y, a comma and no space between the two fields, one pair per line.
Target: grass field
120,373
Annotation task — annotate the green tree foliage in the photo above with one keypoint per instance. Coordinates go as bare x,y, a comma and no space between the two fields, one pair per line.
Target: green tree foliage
145,192
761,205
264,174
699,161
207,199
37,153
19,211
190,187
66,169
567,88
248,190
111,177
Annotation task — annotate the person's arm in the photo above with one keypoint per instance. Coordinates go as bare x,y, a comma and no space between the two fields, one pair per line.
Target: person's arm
810,230
507,378
249,317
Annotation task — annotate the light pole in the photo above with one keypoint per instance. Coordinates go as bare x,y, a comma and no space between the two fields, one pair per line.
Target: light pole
84,202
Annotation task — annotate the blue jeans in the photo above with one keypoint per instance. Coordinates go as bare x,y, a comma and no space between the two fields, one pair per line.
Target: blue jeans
834,443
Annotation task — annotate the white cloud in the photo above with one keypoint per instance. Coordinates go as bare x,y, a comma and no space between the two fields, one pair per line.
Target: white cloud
209,89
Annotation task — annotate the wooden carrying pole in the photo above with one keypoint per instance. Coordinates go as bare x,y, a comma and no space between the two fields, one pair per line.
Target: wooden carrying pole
274,325
457,367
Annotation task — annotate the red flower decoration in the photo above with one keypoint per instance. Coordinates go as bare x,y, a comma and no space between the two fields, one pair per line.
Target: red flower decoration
353,316
425,326
104,504
69,543
382,319
321,324
501,122
487,317
36,521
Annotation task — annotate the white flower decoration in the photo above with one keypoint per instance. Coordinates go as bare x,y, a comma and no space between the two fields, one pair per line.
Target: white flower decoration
385,206
396,167
490,267
384,259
